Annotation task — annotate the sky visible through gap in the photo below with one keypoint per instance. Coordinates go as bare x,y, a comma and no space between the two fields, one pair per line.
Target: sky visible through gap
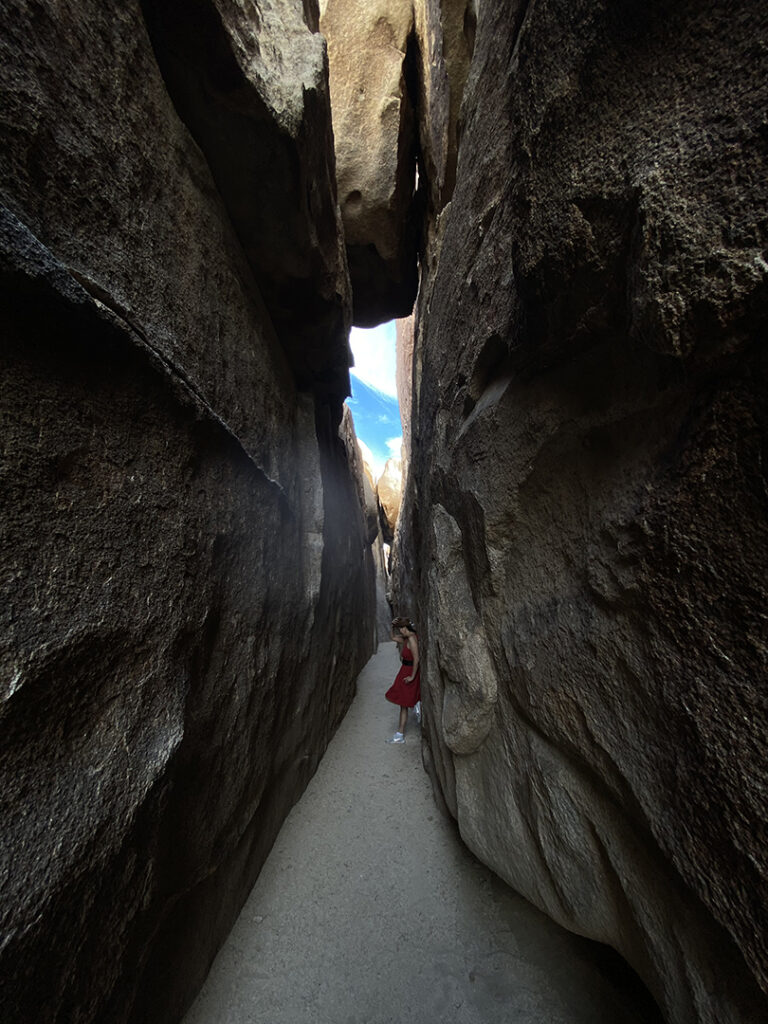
373,403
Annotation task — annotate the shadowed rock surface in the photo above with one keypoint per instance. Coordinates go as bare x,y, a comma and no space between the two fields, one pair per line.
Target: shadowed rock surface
404,375
182,532
583,535
251,85
186,532
397,75
444,40
360,463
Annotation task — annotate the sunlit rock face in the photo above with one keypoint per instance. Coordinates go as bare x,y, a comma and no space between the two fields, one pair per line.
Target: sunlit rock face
371,504
183,538
585,515
403,547
389,489
404,376
374,130
368,462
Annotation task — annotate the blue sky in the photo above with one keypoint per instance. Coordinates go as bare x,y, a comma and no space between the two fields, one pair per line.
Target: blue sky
374,392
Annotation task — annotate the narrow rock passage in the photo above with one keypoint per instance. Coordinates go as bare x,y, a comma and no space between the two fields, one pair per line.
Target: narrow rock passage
369,910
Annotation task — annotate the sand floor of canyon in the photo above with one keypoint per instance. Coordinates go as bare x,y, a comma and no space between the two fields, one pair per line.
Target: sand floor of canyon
369,910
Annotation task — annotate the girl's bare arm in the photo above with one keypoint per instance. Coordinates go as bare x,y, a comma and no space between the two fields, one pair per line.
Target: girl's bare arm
413,645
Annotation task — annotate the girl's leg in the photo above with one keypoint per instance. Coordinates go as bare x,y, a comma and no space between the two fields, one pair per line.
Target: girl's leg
403,720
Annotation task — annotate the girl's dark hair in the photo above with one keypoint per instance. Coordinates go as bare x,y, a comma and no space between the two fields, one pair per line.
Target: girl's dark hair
403,620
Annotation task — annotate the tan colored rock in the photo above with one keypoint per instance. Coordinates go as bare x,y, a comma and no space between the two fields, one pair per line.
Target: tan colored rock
368,462
383,607
404,333
389,489
375,155
446,35
373,526
470,687
365,492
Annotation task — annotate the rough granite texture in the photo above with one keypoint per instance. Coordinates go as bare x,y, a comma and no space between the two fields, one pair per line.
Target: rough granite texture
372,94
372,517
251,84
583,534
444,41
182,533
389,488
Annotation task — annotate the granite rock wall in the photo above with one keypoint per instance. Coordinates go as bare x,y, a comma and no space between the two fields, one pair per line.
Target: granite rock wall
583,534
182,532
360,461
372,66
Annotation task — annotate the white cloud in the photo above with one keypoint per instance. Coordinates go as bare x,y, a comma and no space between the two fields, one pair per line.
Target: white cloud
375,359
395,444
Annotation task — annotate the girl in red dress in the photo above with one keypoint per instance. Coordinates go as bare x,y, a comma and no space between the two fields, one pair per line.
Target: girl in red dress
406,690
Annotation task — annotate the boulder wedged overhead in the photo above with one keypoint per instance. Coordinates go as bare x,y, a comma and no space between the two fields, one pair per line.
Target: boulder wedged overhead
397,74
182,532
372,95
583,531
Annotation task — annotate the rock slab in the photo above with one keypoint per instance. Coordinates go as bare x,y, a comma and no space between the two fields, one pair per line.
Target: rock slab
372,95
182,532
389,488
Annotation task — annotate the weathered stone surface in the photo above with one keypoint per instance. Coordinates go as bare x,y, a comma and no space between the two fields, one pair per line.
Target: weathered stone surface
404,376
250,83
181,533
361,468
383,607
586,515
445,33
375,140
389,489
368,462
365,493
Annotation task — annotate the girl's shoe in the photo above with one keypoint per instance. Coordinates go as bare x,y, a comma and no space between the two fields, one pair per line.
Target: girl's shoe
397,738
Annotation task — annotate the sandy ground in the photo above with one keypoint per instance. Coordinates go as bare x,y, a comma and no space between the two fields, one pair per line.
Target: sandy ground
369,910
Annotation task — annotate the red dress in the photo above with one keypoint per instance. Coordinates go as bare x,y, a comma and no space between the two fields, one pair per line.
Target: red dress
407,695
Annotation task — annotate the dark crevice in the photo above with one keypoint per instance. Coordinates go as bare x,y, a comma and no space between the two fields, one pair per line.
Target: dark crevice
492,365
414,91
46,293
470,26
